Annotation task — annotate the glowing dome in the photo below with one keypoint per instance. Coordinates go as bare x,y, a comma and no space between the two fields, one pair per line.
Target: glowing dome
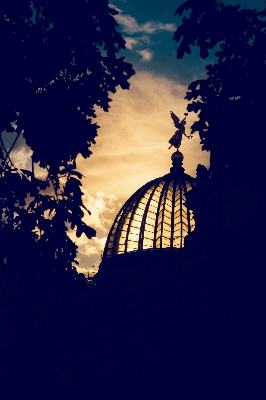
156,216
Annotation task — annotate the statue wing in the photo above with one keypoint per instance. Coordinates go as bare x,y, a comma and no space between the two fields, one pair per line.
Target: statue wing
175,119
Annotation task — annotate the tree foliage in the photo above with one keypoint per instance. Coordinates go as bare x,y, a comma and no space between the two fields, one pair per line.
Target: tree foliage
58,61
230,102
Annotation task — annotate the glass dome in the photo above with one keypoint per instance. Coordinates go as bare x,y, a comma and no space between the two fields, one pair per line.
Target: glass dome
155,217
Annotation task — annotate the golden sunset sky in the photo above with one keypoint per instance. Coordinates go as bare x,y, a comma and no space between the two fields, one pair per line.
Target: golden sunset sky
132,149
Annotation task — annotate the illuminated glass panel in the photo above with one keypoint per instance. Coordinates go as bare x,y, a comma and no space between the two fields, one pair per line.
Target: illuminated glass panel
154,217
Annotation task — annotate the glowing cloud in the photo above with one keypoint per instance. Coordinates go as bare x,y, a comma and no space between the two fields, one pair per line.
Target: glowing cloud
130,25
131,42
146,55
103,208
100,207
21,157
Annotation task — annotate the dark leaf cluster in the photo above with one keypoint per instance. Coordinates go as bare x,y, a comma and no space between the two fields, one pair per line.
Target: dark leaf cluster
230,102
58,61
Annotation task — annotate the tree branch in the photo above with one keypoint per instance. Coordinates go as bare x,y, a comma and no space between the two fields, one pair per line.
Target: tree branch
9,151
7,154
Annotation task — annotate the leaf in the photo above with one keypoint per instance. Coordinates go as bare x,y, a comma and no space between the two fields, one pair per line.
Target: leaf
195,106
83,228
89,232
204,52
183,7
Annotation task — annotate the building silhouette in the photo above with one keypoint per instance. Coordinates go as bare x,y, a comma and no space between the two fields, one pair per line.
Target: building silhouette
176,311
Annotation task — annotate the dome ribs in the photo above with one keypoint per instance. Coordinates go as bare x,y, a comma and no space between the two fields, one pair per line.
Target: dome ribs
135,207
166,217
188,212
109,251
173,215
181,216
154,217
119,221
118,229
157,215
144,219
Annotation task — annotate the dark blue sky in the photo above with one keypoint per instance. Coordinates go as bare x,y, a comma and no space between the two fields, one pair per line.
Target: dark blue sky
148,27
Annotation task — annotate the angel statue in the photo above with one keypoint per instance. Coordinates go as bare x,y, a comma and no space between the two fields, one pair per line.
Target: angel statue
176,139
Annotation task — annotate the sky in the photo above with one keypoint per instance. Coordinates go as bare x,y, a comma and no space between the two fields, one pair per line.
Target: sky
132,146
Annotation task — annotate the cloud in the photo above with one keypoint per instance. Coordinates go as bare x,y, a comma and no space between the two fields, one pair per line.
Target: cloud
130,25
100,207
21,157
91,246
103,208
154,27
89,252
146,54
21,153
131,42
89,273
110,5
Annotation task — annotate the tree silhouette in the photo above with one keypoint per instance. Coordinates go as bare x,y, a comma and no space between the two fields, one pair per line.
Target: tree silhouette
230,102
58,61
